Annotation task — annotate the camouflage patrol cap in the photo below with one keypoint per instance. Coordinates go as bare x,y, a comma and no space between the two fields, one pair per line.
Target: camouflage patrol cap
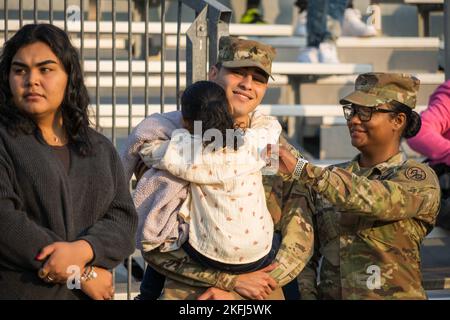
238,53
373,89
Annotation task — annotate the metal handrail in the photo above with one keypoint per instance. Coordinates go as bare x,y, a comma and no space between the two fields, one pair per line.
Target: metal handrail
202,38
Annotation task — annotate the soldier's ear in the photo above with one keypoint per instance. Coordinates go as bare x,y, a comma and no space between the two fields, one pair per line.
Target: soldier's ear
399,121
213,72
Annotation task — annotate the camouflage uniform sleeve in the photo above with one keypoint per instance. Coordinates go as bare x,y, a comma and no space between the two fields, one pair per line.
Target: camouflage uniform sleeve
399,197
297,234
307,279
180,267
291,208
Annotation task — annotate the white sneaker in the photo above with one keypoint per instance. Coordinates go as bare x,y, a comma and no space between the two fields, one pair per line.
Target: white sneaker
300,27
353,26
328,53
308,55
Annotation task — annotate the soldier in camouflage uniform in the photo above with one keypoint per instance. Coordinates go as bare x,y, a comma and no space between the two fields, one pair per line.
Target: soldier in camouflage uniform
372,213
242,70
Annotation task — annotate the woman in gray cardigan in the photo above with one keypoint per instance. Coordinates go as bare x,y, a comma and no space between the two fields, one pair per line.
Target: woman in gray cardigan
66,215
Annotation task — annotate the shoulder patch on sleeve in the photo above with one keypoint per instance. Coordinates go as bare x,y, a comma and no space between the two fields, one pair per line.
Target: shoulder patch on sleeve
415,173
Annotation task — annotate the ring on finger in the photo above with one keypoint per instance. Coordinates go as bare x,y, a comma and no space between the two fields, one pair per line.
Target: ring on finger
42,273
49,278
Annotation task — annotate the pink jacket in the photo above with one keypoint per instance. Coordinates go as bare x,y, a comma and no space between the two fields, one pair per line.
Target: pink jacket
433,139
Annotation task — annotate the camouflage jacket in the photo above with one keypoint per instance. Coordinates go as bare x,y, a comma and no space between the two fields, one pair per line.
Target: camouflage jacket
286,201
369,225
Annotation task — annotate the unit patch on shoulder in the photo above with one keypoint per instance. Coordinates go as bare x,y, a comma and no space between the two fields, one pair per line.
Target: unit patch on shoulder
415,173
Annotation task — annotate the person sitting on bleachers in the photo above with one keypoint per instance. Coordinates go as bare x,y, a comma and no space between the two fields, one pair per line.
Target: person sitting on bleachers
322,36
352,23
325,20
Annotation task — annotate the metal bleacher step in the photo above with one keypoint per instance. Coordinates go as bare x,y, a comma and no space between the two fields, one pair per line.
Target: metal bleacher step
418,54
338,86
284,68
329,114
393,54
155,27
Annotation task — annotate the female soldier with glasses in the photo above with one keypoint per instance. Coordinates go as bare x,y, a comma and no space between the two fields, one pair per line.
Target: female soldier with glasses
372,213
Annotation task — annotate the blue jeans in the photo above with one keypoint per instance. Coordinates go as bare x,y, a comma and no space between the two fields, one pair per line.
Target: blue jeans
152,284
291,291
316,25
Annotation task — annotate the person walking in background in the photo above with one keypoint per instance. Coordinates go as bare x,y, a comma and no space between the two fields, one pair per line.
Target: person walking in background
433,141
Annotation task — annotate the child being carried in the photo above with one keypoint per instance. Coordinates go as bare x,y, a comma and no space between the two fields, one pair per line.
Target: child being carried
230,227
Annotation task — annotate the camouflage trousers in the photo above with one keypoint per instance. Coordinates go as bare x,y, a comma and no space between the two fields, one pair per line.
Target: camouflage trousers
175,290
170,263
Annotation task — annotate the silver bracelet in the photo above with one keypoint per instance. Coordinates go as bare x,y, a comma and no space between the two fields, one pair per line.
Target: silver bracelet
89,274
301,163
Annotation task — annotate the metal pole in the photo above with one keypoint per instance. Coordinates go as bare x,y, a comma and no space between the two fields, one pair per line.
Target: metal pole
97,65
113,129
196,47
421,22
447,39
65,15
130,68
130,123
114,279
218,24
35,11
6,19
20,13
50,13
146,59
202,37
163,52
129,267
82,32
177,92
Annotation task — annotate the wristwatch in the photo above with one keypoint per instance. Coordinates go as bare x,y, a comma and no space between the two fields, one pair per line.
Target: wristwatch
301,163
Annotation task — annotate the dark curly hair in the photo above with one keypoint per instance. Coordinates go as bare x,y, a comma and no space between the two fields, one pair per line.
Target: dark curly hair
74,107
207,102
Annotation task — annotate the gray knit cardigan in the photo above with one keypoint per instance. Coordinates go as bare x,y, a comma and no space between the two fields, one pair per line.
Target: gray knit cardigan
41,203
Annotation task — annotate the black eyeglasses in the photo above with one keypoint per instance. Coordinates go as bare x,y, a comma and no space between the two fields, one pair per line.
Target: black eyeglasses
364,113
